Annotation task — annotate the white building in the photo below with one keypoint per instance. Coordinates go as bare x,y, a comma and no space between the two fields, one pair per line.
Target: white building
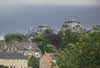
72,25
42,28
2,38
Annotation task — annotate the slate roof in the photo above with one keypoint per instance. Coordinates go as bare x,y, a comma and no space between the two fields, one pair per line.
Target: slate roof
26,46
12,56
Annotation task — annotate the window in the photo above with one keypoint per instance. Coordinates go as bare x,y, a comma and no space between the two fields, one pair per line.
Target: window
29,53
36,54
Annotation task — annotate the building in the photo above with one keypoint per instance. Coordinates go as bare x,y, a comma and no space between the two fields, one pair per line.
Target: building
2,38
27,49
31,34
46,60
2,46
13,60
42,28
72,25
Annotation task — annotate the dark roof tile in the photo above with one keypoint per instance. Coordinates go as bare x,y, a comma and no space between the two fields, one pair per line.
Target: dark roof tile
12,56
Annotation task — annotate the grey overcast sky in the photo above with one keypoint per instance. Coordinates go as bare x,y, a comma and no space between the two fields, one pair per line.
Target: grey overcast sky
19,15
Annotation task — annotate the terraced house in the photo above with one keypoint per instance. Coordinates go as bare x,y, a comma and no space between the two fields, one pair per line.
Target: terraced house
13,60
46,60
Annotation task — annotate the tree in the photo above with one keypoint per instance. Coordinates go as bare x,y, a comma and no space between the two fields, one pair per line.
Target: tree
82,54
68,57
96,28
68,37
55,39
49,49
34,62
1,66
15,37
42,40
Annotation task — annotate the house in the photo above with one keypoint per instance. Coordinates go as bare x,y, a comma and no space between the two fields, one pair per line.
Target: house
13,60
46,60
2,46
27,49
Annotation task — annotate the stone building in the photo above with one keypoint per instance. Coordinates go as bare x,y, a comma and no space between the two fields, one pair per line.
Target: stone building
13,60
72,25
46,60
42,28
27,49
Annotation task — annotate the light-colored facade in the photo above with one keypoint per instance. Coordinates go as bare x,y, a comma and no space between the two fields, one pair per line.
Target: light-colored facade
72,25
46,60
42,28
27,49
13,61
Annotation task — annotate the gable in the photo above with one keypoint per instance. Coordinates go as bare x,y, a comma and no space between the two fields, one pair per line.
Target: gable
11,48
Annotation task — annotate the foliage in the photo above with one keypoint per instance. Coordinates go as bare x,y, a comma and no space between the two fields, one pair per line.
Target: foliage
15,37
68,37
49,49
96,28
34,62
83,54
55,39
69,57
42,40
1,66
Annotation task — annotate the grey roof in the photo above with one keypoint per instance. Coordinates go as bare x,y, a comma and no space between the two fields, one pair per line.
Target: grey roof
25,46
12,56
35,47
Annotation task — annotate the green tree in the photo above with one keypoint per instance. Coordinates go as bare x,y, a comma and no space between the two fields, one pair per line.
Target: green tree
15,37
49,49
42,40
96,28
83,54
68,37
1,66
34,62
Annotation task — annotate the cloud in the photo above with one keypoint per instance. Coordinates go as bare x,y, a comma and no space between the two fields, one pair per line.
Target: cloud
52,2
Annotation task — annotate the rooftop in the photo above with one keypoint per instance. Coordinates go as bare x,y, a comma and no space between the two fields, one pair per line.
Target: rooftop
51,56
72,21
12,56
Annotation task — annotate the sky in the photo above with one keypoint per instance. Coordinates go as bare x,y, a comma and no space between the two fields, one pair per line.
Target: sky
19,15
51,2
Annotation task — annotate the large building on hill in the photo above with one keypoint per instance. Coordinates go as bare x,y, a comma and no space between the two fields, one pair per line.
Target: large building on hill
42,28
13,60
27,49
72,25
46,60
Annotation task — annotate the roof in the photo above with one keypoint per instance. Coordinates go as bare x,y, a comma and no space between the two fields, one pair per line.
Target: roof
72,21
35,47
51,56
48,62
26,46
43,25
12,56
